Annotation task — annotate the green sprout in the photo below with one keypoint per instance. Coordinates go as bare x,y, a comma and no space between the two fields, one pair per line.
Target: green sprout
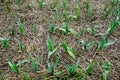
87,44
65,28
90,13
87,5
26,76
2,1
35,29
107,70
64,2
73,32
8,9
92,30
21,46
69,50
54,4
41,3
52,67
5,42
12,30
112,27
65,15
34,65
52,28
21,28
2,77
104,43
107,12
13,66
72,69
116,3
51,46
91,67
19,3
20,63
78,10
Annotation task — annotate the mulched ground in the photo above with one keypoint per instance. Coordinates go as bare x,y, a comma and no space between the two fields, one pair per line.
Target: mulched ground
43,18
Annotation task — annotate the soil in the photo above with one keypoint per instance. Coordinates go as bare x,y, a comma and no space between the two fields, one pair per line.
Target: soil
36,45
